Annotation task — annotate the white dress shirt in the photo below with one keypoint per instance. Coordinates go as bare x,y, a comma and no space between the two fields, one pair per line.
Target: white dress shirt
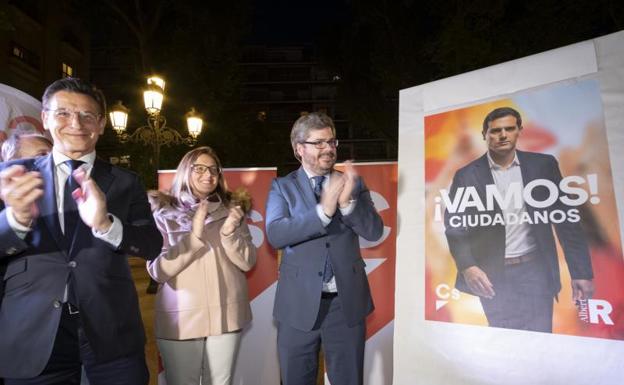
518,238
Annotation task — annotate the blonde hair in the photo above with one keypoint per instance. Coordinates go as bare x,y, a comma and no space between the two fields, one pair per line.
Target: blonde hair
181,188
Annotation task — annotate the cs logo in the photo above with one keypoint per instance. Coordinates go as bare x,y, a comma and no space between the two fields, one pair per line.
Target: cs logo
257,235
445,293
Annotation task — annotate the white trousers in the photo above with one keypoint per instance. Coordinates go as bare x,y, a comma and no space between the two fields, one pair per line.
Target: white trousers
206,361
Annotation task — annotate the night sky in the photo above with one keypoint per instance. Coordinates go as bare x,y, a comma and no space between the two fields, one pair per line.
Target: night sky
288,22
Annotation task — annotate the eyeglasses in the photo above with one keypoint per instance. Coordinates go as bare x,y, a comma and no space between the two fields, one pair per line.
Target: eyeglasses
321,144
202,168
65,115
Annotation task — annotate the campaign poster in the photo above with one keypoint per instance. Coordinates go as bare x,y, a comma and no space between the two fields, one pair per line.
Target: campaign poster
562,124
19,113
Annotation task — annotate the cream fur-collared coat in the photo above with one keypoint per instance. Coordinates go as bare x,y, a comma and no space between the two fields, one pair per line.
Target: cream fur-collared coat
203,288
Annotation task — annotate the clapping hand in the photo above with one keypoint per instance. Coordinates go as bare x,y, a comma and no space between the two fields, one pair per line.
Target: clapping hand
232,221
199,218
19,189
91,202
330,194
350,176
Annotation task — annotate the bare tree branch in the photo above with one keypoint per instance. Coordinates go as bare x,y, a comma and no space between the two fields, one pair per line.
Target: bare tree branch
111,4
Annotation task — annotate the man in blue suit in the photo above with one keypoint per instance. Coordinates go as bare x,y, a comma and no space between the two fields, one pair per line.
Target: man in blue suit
67,225
511,264
315,215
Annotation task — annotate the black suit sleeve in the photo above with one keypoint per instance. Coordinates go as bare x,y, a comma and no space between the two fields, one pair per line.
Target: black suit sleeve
571,236
141,237
458,237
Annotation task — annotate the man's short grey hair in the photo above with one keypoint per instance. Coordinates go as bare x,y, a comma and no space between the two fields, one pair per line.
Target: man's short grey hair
306,123
11,146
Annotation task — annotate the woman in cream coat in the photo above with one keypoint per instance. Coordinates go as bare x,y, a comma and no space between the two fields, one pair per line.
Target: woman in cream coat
202,302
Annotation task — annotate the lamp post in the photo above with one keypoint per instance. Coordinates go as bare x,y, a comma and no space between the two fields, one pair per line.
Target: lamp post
156,133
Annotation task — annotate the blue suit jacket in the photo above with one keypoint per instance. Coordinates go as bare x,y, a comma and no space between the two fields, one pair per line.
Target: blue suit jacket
484,246
292,224
38,268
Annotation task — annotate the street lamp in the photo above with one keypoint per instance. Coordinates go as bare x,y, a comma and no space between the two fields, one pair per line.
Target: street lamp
156,132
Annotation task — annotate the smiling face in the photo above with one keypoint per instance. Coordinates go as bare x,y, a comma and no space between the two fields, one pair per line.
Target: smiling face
74,135
203,184
318,161
502,136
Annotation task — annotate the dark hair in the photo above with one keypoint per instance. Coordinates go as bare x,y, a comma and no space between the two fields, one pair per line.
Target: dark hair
501,113
78,86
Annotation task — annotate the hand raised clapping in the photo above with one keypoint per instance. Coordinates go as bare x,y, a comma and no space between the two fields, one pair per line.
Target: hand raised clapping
91,202
350,177
339,190
19,189
232,221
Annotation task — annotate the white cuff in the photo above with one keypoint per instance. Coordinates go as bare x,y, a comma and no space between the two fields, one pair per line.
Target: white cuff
20,230
114,234
325,220
349,209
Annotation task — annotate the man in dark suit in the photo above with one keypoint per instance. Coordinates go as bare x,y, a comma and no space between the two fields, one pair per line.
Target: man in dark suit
315,215
67,224
511,262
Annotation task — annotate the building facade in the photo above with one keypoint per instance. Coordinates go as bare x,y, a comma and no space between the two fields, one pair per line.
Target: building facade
282,82
41,41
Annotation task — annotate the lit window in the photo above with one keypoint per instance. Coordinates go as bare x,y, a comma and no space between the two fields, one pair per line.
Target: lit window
18,52
26,56
67,71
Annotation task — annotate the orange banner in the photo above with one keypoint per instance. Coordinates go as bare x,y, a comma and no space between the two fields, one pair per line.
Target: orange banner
381,180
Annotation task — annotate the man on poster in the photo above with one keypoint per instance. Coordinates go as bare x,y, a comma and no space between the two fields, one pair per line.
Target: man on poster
512,265
315,215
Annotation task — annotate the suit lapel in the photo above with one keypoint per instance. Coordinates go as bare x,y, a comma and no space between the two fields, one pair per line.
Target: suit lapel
48,207
101,173
527,174
305,188
483,176
104,179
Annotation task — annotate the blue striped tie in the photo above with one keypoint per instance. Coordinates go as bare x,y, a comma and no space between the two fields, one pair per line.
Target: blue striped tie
328,271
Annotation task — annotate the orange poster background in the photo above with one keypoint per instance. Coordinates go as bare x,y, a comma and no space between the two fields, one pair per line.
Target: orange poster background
453,139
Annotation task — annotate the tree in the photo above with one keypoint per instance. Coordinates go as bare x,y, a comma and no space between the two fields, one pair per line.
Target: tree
389,45
192,44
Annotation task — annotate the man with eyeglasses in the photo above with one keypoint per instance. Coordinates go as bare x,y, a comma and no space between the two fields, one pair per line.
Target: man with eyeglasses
67,224
315,215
